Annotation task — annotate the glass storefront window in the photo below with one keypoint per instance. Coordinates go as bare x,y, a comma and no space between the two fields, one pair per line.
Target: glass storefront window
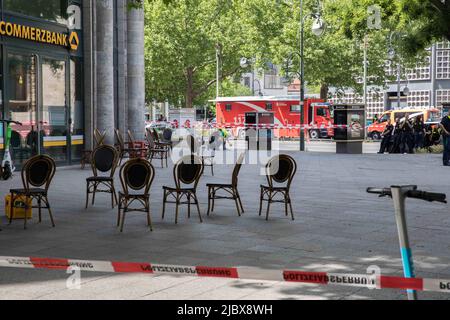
77,108
51,10
54,115
21,100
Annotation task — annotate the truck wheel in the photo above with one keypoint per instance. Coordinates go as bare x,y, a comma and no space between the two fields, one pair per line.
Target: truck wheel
376,135
314,134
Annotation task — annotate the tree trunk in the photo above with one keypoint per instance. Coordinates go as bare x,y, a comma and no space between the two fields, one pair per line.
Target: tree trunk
190,94
324,91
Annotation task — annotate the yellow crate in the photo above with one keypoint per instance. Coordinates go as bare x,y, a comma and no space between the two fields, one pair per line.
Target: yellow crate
19,210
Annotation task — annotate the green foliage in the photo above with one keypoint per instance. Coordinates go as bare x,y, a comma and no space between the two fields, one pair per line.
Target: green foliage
181,39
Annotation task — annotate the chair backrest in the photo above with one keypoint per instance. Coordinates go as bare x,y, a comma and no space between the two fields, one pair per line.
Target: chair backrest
119,138
99,137
187,171
150,139
155,134
192,143
130,137
281,170
104,159
237,169
38,172
167,134
137,174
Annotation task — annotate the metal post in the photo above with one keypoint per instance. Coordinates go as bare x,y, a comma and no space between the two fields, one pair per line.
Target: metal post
366,44
399,196
302,79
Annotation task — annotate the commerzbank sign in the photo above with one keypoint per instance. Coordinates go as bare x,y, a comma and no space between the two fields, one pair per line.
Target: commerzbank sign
19,31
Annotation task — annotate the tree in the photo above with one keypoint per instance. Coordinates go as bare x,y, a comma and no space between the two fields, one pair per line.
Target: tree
182,39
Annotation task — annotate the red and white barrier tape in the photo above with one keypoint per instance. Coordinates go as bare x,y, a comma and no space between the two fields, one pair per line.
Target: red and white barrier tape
246,273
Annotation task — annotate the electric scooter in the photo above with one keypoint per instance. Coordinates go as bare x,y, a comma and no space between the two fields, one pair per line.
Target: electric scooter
399,195
7,168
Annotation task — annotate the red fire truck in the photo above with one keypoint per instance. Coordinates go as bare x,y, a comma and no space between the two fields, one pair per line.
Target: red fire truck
230,113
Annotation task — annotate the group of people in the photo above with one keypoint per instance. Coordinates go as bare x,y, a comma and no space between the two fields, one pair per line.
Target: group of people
407,136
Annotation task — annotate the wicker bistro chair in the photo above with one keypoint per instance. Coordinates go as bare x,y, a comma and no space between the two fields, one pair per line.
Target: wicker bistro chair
167,138
155,151
104,160
136,177
197,149
127,148
280,171
186,172
37,174
99,138
159,143
230,190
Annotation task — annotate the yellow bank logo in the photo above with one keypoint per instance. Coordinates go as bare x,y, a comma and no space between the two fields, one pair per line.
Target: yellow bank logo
74,42
39,35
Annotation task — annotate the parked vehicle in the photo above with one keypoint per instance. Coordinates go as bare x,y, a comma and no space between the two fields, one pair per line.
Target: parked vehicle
375,130
230,113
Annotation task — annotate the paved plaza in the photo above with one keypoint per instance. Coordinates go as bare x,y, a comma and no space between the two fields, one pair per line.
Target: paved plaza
338,228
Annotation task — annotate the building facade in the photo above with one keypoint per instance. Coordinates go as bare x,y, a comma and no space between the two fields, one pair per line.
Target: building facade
68,67
428,84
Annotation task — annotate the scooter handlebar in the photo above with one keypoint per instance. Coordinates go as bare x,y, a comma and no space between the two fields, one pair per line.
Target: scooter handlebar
381,191
427,196
416,194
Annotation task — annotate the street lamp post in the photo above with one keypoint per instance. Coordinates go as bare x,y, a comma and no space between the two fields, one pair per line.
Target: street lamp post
318,29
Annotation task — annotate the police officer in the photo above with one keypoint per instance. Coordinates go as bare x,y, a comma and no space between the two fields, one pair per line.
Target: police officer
419,133
396,138
387,135
407,137
445,126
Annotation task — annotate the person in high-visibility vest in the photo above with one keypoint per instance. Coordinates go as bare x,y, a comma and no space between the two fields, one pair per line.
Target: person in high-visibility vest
224,133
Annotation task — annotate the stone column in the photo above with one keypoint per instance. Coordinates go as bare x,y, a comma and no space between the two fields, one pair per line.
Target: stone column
136,72
105,67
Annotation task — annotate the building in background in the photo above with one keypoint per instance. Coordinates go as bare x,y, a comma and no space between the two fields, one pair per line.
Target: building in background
68,67
428,84
265,82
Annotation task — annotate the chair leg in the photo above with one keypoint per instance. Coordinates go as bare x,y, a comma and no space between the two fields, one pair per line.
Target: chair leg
123,217
39,208
260,202
119,207
113,195
164,204
49,211
286,204
198,207
290,206
237,202
189,205
213,200
240,202
93,193
268,206
87,194
176,208
209,201
212,169
149,218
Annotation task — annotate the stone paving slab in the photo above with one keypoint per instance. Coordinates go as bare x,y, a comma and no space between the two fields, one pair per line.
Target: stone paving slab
338,227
